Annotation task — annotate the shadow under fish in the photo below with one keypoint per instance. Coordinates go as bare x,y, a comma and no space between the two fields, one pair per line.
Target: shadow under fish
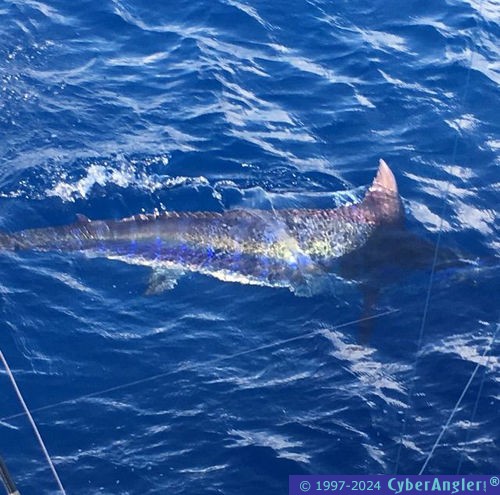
298,249
389,257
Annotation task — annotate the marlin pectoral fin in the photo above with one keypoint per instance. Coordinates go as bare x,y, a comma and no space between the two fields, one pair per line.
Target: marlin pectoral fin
163,279
370,298
315,282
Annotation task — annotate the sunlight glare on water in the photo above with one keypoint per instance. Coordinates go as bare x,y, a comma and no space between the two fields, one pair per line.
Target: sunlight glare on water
113,108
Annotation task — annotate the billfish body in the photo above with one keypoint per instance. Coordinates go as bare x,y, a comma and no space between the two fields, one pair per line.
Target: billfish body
277,247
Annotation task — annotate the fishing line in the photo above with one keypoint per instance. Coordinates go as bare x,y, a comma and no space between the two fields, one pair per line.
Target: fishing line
188,367
444,208
454,410
473,415
32,421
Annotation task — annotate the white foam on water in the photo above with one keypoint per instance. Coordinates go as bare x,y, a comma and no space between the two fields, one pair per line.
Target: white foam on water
280,444
363,100
432,221
124,176
466,122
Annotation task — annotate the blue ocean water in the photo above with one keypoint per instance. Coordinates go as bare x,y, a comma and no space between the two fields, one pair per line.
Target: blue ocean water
113,107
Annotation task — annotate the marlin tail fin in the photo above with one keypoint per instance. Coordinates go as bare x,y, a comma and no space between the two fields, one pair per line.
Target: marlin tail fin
384,180
382,198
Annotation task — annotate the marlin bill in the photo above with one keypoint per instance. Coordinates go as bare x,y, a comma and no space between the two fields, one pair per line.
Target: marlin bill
292,248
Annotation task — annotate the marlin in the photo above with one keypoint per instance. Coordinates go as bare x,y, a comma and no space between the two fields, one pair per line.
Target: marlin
292,248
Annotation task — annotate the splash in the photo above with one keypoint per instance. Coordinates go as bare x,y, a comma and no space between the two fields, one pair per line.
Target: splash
123,175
